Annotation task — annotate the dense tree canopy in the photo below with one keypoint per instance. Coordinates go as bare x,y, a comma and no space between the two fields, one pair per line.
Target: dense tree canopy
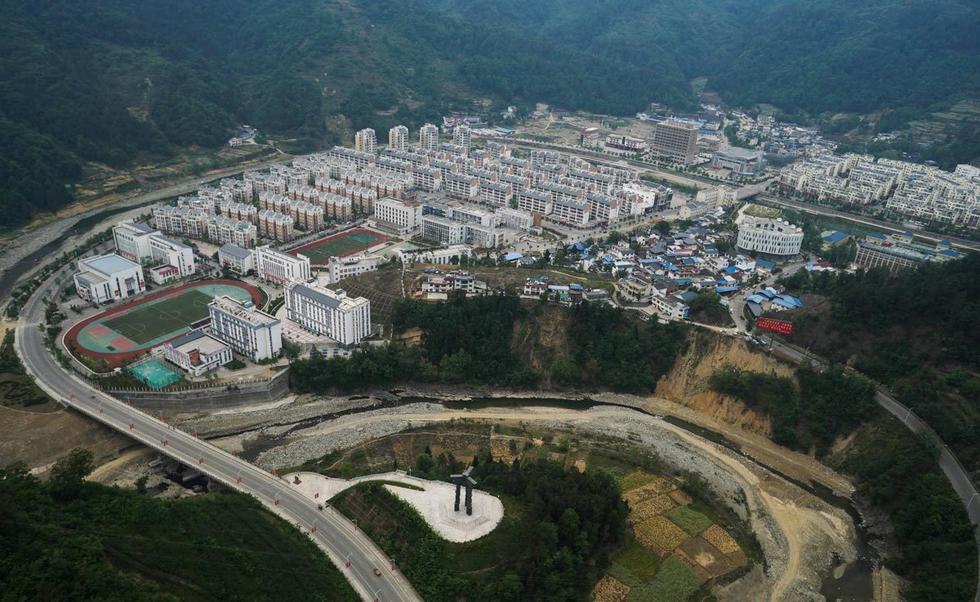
118,81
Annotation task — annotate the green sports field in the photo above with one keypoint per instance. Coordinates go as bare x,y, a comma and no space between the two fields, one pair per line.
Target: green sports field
345,243
149,322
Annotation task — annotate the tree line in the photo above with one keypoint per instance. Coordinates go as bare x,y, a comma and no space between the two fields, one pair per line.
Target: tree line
470,341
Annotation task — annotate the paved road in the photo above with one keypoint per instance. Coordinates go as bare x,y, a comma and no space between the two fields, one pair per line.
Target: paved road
332,532
869,221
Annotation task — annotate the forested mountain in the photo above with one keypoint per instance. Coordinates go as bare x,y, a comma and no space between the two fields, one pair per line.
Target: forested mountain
116,81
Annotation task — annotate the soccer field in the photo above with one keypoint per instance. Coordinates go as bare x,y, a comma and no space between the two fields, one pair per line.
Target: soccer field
338,246
143,324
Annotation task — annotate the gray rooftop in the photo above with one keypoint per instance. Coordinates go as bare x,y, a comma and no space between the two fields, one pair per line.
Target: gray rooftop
108,264
234,251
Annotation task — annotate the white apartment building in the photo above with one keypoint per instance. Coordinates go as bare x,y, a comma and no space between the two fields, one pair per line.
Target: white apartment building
534,201
769,236
236,259
329,313
107,278
224,230
462,136
398,138
428,137
461,186
400,216
366,141
249,331
571,212
197,353
276,266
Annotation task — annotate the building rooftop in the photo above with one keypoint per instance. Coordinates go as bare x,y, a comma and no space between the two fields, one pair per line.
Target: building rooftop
234,251
107,264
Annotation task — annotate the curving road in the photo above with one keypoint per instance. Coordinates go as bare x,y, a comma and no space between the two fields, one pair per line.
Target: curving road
331,531
957,475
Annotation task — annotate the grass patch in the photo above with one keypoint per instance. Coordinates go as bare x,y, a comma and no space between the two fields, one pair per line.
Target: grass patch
340,245
637,478
692,521
639,561
674,581
144,324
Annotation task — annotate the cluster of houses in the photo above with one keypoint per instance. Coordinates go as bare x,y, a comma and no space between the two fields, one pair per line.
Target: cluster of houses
667,272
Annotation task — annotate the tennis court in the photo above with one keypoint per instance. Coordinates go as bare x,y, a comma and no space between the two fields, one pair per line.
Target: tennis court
155,373
340,245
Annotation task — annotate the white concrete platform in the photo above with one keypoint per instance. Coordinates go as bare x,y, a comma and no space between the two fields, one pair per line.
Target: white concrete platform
434,503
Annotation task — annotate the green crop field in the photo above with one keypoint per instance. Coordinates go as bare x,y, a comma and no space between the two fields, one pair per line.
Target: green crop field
143,324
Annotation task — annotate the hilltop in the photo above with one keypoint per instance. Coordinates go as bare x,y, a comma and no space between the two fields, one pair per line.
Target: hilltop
115,82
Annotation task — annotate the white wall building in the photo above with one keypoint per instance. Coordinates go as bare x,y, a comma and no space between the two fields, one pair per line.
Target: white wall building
322,311
236,259
249,331
769,236
132,240
172,253
276,266
197,352
108,278
339,268
403,217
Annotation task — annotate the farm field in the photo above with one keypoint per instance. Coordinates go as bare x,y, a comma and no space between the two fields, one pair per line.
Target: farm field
677,547
340,245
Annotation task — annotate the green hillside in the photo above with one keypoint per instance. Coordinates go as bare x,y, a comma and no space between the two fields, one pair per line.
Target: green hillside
121,82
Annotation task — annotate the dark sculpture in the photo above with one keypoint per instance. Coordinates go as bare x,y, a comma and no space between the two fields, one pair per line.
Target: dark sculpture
464,480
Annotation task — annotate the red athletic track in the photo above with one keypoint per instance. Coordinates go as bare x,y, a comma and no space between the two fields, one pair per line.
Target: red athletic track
320,242
116,359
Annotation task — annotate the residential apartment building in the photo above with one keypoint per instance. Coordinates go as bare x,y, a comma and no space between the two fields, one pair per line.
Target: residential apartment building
276,266
462,136
676,141
366,141
225,230
460,186
248,330
275,225
428,137
398,138
324,312
107,278
769,236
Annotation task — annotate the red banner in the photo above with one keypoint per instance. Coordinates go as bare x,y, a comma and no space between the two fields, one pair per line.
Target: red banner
773,325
